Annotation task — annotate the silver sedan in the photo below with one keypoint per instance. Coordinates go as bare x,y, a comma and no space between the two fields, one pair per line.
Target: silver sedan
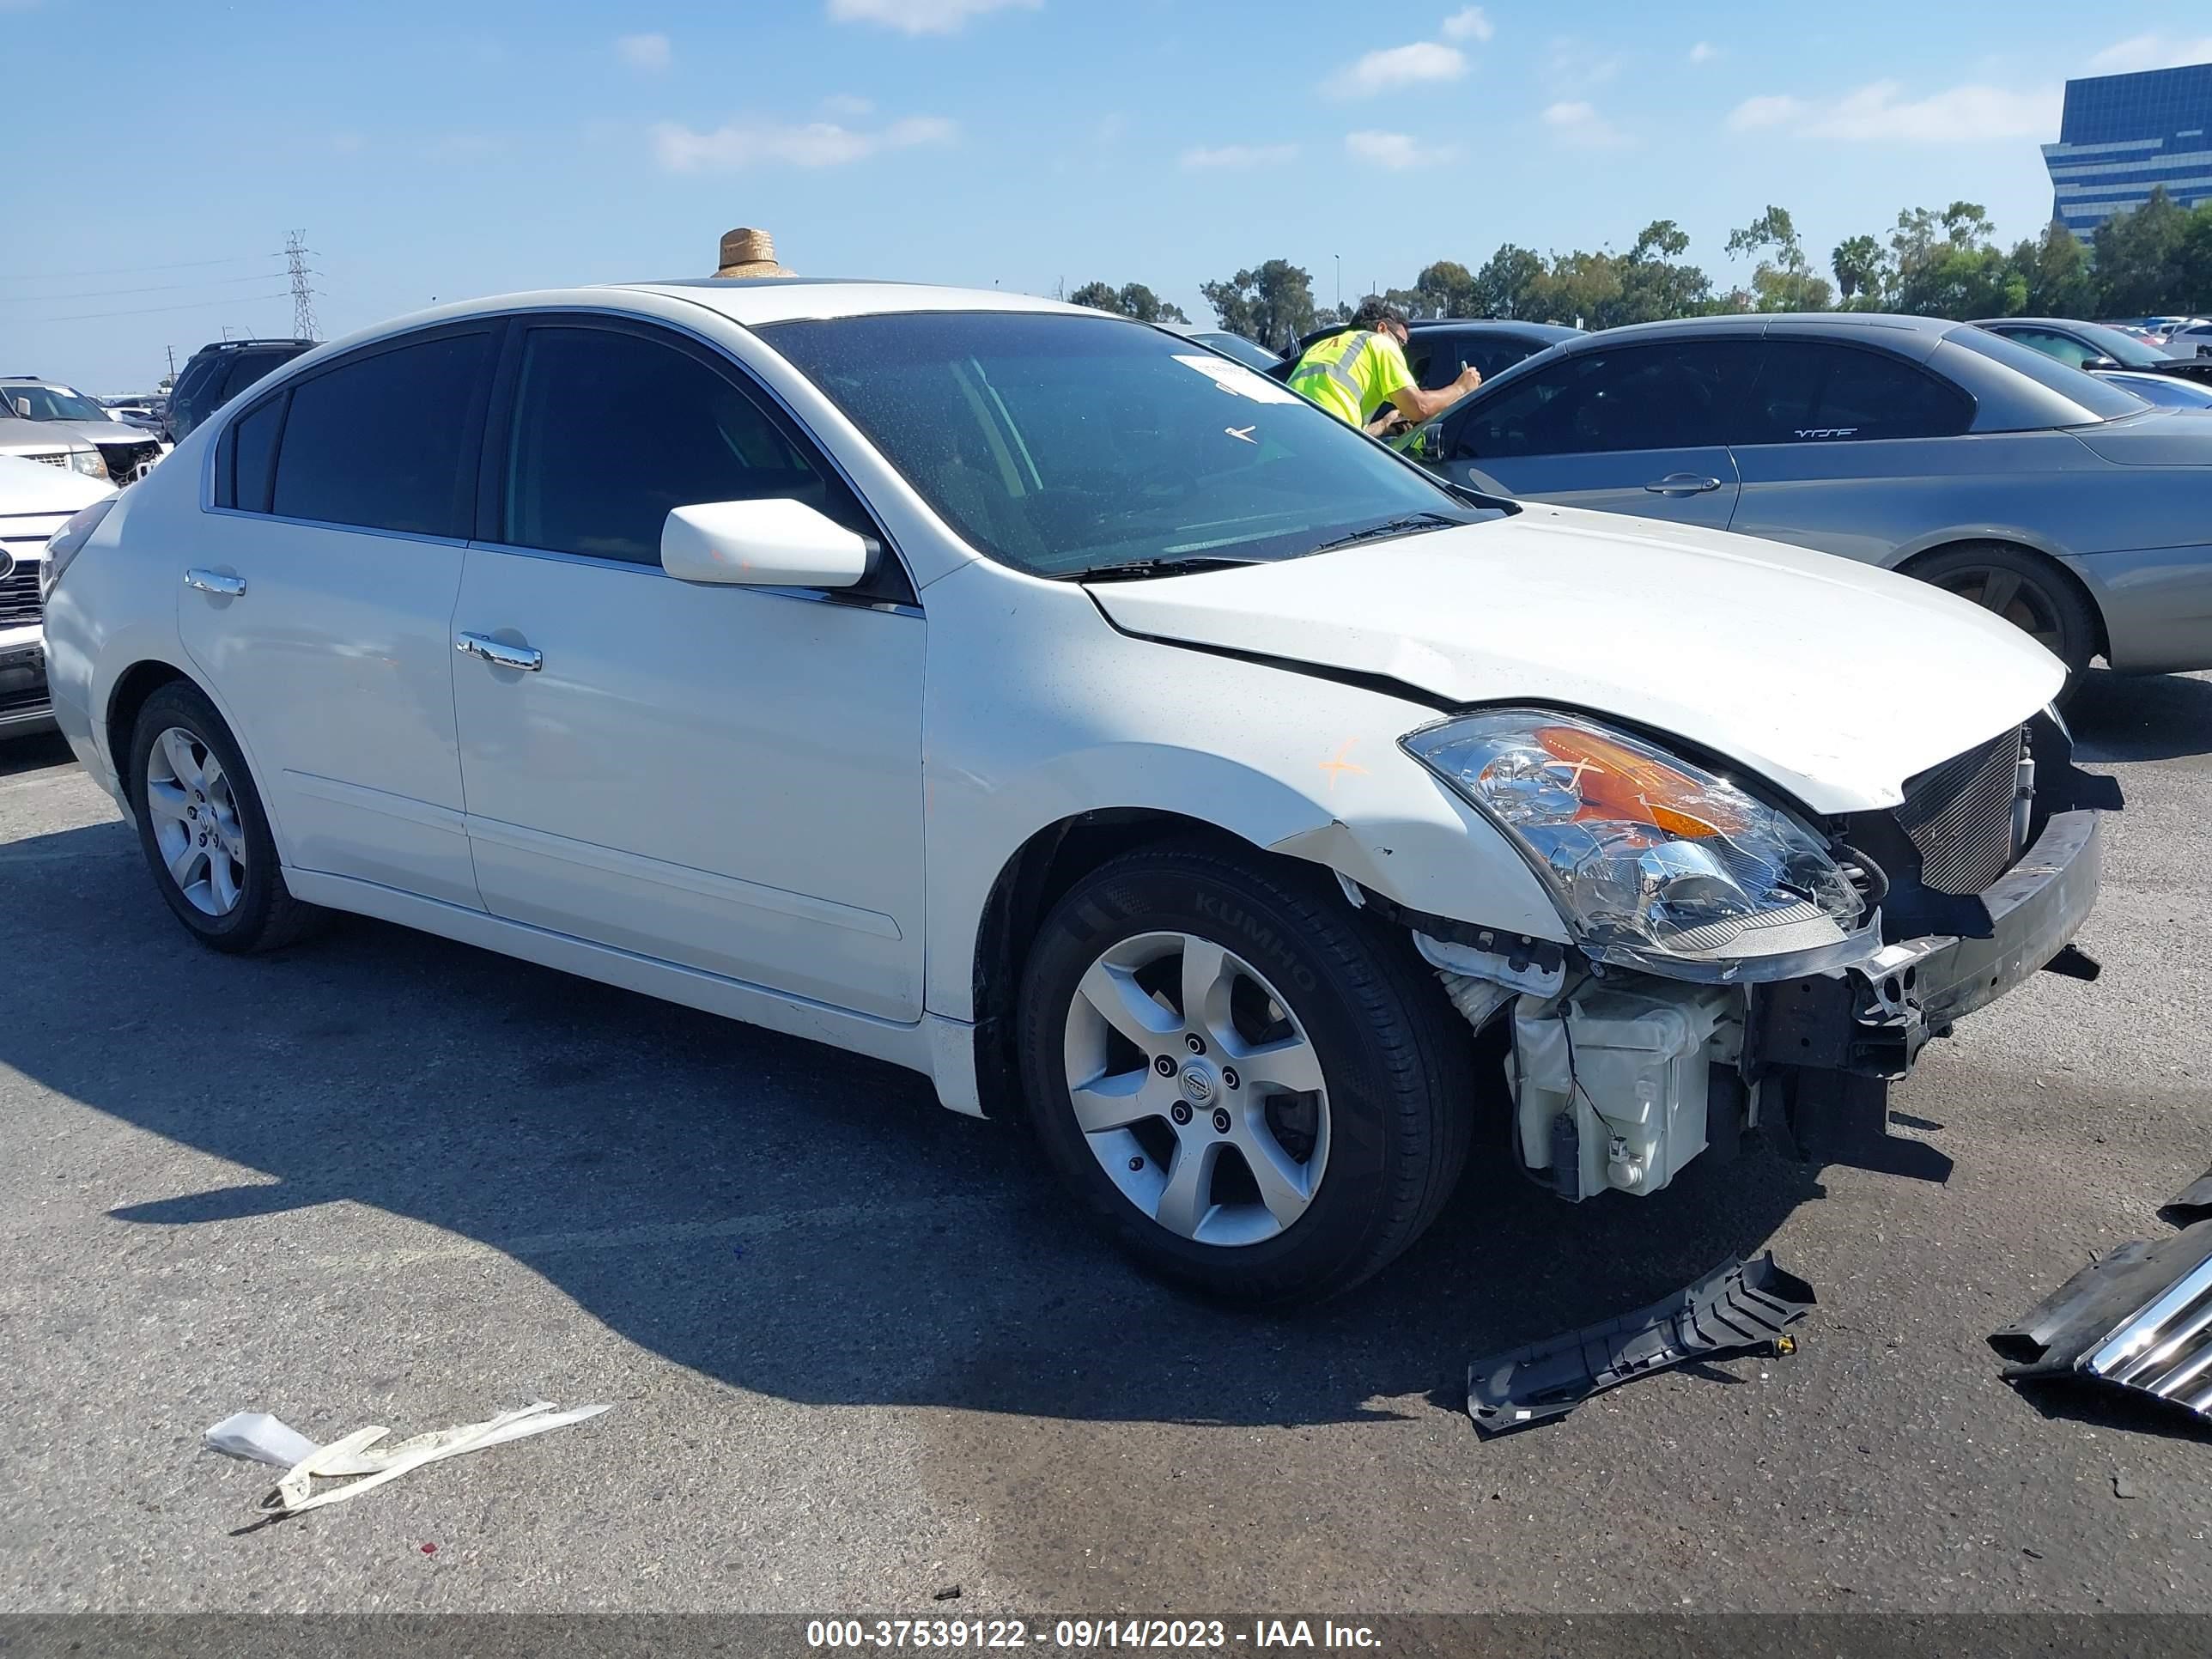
1936,448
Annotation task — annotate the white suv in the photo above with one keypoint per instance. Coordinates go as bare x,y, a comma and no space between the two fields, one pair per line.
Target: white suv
36,501
1027,697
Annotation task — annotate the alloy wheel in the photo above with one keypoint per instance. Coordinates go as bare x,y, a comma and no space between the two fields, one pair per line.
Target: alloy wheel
1197,1089
2007,593
195,821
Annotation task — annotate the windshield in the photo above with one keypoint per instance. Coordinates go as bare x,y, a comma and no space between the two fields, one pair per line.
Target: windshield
2124,350
1063,445
49,402
1237,346
2099,399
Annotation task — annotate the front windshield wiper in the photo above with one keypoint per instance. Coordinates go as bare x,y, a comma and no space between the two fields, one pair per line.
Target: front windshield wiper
1407,526
1136,569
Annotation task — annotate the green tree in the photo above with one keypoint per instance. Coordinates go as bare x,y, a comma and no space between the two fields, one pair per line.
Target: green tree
1862,272
1783,279
2056,275
1273,304
2140,258
1947,264
1446,288
1131,299
1654,284
1507,285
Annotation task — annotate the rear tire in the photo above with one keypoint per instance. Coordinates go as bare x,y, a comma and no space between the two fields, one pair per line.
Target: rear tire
203,828
1292,1194
2024,589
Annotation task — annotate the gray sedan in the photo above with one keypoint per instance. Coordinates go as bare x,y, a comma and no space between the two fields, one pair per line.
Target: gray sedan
1936,448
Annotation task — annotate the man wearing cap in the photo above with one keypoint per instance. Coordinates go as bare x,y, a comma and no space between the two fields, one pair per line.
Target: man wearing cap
1354,374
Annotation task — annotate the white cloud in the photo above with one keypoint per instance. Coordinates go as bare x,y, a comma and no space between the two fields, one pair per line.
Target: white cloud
1879,114
1469,25
2149,51
1579,125
1704,52
643,51
1394,150
1241,155
1768,109
921,16
844,103
815,144
1397,66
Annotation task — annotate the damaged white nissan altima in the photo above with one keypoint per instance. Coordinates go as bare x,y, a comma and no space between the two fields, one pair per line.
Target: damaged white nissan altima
1043,703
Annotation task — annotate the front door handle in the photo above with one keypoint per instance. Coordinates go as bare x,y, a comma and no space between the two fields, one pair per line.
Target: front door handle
1682,483
498,656
214,581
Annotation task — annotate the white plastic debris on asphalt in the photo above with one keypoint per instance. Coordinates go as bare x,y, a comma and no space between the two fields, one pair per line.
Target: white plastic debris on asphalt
265,1439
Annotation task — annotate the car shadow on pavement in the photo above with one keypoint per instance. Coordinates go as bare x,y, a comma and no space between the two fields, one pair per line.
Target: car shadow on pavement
20,755
775,1214
2152,717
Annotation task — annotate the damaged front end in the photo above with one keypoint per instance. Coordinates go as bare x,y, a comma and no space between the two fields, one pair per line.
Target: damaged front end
1736,962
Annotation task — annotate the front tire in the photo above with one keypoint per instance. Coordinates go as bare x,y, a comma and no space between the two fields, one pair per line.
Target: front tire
1257,1090
203,828
2026,589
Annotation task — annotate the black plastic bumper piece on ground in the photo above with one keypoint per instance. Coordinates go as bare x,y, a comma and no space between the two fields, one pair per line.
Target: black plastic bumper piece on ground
2191,1204
1738,1308
2139,1319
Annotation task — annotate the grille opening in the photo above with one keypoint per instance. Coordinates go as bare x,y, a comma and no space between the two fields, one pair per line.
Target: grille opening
1959,815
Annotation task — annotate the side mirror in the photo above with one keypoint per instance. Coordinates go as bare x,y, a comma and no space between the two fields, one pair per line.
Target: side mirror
777,543
2096,364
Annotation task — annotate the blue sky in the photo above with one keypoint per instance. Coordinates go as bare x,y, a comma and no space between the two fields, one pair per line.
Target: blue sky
156,155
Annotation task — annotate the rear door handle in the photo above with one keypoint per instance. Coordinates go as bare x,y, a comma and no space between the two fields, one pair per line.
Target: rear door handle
490,650
1682,483
214,581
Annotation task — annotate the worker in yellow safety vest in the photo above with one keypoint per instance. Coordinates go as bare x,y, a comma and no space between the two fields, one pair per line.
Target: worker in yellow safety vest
1360,376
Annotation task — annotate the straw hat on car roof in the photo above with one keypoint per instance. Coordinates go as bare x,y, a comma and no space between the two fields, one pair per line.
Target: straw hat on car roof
748,252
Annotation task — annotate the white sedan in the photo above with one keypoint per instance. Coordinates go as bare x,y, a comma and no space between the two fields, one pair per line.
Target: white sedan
1044,702
36,499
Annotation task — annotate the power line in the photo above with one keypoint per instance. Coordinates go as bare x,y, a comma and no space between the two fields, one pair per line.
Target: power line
147,311
133,271
304,327
157,288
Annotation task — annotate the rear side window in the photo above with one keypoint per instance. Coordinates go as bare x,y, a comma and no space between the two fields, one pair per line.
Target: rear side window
1680,395
388,441
1810,392
1436,356
247,367
612,430
251,447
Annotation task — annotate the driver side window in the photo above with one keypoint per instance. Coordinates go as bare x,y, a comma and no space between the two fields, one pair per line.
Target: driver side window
1675,395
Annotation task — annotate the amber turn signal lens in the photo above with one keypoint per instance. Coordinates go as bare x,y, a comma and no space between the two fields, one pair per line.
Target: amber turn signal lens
1617,783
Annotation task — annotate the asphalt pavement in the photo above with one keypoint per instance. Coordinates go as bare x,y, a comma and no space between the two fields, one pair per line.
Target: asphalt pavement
860,1350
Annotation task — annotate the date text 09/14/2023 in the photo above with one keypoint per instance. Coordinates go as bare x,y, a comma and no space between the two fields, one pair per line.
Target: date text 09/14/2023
1082,1635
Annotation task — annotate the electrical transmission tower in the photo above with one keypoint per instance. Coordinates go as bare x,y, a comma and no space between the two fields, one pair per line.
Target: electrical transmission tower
304,327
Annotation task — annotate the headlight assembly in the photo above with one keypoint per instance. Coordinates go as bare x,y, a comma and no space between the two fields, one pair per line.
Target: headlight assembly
1655,863
88,461
65,543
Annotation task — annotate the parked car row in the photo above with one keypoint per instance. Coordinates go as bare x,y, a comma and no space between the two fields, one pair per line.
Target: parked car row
125,451
1085,720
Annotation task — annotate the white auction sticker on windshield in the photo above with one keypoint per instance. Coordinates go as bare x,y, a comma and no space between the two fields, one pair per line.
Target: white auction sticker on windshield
1235,377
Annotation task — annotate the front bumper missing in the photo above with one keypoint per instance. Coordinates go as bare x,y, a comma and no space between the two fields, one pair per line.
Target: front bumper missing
1833,1043
2138,1320
1738,1308
25,702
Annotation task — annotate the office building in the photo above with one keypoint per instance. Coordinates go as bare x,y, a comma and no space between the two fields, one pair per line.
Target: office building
2123,135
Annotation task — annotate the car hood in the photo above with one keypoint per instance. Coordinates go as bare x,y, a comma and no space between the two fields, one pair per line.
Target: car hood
99,432
1832,680
27,486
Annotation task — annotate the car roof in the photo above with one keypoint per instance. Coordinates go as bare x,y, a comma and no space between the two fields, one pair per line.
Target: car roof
1497,325
1843,324
752,301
